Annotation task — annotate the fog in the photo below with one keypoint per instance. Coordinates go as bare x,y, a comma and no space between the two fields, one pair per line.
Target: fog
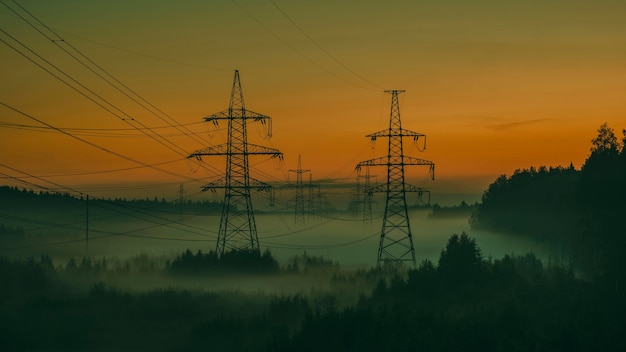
121,289
341,237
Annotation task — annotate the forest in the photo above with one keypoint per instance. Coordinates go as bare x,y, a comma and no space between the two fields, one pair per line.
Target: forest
464,301
579,211
245,300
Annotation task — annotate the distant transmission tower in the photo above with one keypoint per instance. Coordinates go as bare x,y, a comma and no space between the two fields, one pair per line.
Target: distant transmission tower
299,214
311,208
237,226
366,196
87,226
181,199
362,196
396,238
315,199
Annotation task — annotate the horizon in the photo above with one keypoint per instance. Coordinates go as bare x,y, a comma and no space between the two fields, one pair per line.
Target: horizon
490,99
454,191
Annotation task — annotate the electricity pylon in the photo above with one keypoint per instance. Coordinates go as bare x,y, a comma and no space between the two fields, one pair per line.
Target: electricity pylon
396,238
237,226
181,200
299,213
366,196
363,196
315,199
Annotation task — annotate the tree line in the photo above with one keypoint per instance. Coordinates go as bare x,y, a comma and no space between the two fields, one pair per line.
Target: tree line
13,199
578,210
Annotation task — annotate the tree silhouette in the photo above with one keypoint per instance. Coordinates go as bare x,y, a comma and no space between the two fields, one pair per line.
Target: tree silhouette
605,142
579,211
602,194
461,261
237,261
600,172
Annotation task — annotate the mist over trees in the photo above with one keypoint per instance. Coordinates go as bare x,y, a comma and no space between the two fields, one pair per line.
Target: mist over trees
469,303
463,302
579,210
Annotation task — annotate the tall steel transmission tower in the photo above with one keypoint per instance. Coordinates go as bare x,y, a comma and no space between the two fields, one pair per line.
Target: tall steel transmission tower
396,238
299,211
237,225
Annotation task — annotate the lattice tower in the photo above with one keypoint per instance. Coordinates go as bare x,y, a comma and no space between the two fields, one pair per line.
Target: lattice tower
396,238
237,229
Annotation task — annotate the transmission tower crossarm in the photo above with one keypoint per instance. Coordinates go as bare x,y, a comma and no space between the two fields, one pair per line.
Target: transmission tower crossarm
260,185
376,189
222,149
387,161
420,191
239,114
407,188
381,161
411,188
260,150
395,133
212,186
222,184
408,160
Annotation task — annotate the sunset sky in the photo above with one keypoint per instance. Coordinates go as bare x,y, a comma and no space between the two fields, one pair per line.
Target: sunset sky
495,85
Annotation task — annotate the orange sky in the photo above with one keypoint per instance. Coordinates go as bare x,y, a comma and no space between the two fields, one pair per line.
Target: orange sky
495,85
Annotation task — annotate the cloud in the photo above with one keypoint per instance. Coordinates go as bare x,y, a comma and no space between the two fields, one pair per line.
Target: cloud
511,125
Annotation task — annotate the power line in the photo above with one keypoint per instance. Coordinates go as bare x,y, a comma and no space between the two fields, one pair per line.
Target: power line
322,49
59,41
99,204
107,234
126,117
19,180
290,47
100,129
41,179
104,134
297,231
105,171
56,76
126,206
137,53
344,244
98,146
143,54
